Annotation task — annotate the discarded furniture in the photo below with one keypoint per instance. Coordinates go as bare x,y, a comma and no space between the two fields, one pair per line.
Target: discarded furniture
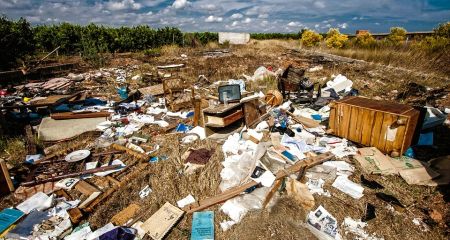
175,95
385,125
223,115
73,115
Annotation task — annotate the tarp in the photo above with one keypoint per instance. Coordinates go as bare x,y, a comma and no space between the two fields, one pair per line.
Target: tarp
54,130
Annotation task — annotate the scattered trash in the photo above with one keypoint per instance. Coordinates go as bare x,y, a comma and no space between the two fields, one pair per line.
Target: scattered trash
357,227
322,224
353,189
186,201
202,225
389,199
145,192
162,221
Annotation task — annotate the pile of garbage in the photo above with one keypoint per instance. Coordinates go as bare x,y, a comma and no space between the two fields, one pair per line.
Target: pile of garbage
272,145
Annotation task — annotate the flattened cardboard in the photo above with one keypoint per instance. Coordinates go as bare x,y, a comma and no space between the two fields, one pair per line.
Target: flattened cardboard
373,161
162,221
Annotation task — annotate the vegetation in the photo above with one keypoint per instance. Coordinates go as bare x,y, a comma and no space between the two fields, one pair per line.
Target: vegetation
265,36
396,36
335,39
365,40
16,41
310,38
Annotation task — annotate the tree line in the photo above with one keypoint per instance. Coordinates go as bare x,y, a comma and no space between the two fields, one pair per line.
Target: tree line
18,39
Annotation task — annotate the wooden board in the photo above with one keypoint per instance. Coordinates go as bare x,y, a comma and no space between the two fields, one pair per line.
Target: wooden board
214,121
85,188
159,224
122,217
6,184
72,115
251,111
221,108
155,90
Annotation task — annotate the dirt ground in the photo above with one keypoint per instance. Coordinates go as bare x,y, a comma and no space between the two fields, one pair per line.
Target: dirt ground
285,220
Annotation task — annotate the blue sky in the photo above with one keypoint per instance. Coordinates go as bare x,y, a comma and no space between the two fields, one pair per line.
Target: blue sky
238,15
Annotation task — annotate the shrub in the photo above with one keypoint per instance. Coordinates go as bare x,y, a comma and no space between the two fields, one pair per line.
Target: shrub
335,39
396,36
443,30
153,52
310,38
365,40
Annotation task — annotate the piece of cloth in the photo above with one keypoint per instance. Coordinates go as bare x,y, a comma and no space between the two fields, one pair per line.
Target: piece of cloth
199,156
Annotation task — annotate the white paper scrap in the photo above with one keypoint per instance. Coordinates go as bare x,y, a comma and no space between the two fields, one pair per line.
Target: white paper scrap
353,189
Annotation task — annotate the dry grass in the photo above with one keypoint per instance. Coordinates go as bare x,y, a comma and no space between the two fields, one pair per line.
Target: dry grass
416,59
14,150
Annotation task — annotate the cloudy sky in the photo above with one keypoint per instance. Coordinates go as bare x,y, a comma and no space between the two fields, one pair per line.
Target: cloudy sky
238,15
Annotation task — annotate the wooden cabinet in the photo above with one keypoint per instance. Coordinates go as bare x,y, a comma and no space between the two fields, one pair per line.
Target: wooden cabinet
385,125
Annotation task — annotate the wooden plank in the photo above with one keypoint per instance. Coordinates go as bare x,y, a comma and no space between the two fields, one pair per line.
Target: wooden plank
251,111
89,200
387,121
6,184
213,121
75,215
378,122
85,188
346,117
366,131
392,128
398,143
232,192
72,115
159,224
338,123
122,217
332,119
307,122
272,192
352,133
410,128
359,125
155,90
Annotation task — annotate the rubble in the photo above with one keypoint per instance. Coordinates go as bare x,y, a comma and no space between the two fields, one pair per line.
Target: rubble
311,144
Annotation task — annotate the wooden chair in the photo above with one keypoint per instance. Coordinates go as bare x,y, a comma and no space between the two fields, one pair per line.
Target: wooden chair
175,94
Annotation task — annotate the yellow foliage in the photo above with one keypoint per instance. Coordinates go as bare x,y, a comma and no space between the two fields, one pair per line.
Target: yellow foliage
335,39
365,40
310,38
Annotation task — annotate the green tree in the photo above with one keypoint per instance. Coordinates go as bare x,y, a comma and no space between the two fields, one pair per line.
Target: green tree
310,38
16,41
335,39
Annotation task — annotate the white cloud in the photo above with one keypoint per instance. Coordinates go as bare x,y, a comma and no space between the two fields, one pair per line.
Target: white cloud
247,20
264,23
316,26
343,25
263,15
319,4
179,4
355,18
209,7
295,24
211,19
123,5
236,16
235,23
